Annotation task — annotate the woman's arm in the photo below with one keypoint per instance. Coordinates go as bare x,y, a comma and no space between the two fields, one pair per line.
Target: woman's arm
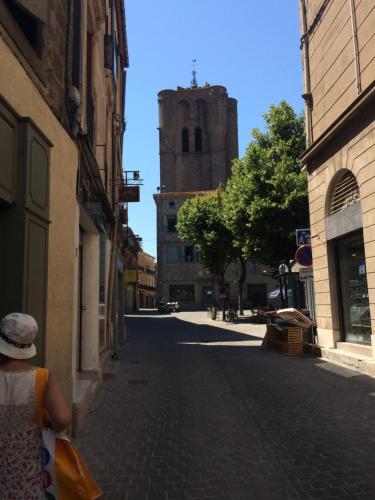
58,411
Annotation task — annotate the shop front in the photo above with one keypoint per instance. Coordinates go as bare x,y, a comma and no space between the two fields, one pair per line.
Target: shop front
352,287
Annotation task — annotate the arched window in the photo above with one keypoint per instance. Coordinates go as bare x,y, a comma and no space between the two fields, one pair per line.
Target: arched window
198,139
344,192
185,140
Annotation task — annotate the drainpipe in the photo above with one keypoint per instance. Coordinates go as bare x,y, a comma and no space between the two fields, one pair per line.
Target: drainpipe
76,90
355,46
307,96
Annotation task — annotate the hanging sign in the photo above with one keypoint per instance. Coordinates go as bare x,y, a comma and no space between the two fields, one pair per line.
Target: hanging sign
304,256
128,194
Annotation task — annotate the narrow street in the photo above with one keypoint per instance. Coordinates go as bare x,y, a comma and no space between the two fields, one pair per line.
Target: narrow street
200,411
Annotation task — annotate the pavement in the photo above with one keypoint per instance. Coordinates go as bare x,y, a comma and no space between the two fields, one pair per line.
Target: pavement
199,411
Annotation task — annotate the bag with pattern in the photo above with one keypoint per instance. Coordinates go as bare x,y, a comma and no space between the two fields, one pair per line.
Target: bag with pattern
65,474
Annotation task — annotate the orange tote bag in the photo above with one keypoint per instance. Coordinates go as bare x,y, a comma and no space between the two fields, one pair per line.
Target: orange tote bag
65,474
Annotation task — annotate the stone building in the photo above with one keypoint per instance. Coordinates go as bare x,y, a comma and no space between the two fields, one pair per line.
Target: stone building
198,141
338,49
62,87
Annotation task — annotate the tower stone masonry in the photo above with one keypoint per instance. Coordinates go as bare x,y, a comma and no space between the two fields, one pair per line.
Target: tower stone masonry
198,137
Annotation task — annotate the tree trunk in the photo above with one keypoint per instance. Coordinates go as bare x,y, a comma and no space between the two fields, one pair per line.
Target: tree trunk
241,283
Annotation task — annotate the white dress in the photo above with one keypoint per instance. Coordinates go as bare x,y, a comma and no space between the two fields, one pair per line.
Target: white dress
21,474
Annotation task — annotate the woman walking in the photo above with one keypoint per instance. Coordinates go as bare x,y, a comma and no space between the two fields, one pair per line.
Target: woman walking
21,474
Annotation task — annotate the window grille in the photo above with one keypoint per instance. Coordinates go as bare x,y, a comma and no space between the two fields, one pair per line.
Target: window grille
345,192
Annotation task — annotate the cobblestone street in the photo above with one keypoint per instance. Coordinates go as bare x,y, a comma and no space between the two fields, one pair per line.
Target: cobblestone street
199,411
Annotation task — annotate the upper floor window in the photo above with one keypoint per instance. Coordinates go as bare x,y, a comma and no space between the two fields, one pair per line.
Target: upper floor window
185,140
30,17
169,223
198,139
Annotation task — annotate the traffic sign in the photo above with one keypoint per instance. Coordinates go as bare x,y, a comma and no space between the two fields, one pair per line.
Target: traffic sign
303,237
304,255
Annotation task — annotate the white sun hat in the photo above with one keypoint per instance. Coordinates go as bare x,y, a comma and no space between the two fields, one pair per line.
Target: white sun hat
17,333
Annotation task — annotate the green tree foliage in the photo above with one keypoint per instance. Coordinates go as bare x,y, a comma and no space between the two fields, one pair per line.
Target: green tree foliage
266,197
200,222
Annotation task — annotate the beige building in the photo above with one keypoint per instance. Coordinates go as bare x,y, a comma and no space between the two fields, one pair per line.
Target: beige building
198,141
62,88
146,280
338,48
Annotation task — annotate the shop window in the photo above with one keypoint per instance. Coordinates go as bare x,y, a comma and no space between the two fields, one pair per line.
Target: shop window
355,308
185,140
181,293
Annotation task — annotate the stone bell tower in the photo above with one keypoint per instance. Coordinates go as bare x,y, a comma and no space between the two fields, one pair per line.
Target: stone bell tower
197,142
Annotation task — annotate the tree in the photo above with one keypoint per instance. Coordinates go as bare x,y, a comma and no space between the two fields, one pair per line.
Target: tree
266,197
200,222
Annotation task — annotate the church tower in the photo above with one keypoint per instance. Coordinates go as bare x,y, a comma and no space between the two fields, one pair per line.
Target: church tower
197,142
197,137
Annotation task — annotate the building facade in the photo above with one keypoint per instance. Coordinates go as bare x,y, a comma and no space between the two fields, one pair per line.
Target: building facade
198,140
338,54
146,281
62,87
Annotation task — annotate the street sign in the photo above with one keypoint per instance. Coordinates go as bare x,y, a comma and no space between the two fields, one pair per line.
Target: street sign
223,290
304,256
303,237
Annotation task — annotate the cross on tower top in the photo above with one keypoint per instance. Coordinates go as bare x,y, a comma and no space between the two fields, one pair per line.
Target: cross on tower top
194,83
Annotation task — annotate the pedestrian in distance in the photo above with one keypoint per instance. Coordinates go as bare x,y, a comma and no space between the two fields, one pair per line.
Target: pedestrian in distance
21,468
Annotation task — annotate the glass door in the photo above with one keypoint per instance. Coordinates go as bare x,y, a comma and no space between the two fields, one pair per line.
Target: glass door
355,309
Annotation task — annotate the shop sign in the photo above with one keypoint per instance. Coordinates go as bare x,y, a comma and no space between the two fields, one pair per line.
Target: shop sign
130,276
128,194
304,256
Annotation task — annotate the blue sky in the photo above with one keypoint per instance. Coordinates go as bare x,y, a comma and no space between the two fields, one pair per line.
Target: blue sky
249,46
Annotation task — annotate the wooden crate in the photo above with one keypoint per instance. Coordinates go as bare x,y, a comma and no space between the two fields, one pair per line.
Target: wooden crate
288,340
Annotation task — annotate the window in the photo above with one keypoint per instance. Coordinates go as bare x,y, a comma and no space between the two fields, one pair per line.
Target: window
185,140
29,17
169,223
344,192
189,253
181,293
172,254
179,254
354,295
198,139
172,204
